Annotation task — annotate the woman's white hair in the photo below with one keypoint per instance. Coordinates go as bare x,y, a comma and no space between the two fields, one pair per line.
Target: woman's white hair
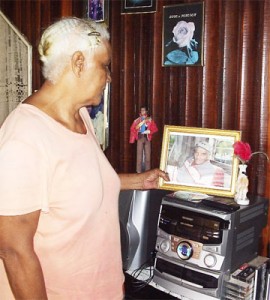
63,38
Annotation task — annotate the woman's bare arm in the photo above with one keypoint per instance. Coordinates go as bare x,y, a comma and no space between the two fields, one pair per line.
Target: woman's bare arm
142,181
20,260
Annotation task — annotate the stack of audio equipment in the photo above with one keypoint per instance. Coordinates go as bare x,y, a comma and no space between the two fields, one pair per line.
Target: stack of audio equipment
197,245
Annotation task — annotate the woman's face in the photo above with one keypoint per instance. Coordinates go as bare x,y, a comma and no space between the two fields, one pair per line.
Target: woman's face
97,75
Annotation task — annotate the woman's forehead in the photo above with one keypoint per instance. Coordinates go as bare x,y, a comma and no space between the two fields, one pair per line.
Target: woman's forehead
103,53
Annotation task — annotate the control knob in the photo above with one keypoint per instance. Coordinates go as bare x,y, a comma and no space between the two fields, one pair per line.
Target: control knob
165,246
210,260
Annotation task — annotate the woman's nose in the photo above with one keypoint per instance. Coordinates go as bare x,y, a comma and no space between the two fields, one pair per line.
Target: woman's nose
109,77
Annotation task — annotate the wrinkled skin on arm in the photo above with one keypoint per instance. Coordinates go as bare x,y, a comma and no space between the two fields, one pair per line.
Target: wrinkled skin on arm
20,260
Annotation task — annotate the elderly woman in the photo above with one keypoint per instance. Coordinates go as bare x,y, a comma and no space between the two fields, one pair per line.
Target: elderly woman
59,229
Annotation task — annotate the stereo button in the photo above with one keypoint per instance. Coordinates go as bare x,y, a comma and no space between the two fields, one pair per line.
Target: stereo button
210,260
165,246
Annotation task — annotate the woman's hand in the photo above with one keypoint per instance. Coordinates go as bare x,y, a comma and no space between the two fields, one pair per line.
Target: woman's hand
150,178
142,181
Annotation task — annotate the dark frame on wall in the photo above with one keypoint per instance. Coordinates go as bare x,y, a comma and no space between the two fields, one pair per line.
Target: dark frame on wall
138,6
98,10
183,29
100,116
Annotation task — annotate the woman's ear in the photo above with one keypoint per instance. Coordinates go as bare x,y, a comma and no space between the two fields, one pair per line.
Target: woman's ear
77,62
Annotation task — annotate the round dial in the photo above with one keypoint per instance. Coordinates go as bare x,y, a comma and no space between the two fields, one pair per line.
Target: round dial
184,250
210,260
165,246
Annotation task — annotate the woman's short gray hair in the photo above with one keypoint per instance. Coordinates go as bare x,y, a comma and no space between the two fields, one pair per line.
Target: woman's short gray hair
63,38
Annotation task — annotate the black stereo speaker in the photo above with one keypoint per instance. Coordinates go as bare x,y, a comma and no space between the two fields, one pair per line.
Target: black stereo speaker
138,214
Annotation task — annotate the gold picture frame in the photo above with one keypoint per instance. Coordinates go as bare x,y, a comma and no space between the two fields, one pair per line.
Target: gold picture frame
199,160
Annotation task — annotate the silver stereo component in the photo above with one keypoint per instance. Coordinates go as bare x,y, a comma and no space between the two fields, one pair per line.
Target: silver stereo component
183,278
196,241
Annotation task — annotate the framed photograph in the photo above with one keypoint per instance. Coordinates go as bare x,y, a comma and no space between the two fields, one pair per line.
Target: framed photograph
199,160
98,10
15,67
138,6
100,118
183,30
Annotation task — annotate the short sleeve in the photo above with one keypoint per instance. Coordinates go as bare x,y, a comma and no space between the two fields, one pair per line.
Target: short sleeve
23,179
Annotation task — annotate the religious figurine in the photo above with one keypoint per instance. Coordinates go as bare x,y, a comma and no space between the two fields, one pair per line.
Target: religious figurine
242,186
141,131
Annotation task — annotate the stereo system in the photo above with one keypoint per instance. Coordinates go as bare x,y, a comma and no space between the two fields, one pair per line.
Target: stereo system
138,214
197,245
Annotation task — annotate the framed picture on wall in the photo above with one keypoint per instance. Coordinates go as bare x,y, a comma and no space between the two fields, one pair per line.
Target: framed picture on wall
138,6
15,67
100,118
199,160
98,10
182,39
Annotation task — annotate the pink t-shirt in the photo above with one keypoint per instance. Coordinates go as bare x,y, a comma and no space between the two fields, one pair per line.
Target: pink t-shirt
45,166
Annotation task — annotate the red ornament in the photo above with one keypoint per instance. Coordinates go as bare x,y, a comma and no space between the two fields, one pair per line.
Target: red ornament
242,151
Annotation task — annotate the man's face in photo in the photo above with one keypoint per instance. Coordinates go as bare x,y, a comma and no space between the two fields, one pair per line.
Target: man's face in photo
200,156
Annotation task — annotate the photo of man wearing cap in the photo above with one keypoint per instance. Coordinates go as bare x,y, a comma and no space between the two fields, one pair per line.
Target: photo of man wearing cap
198,169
